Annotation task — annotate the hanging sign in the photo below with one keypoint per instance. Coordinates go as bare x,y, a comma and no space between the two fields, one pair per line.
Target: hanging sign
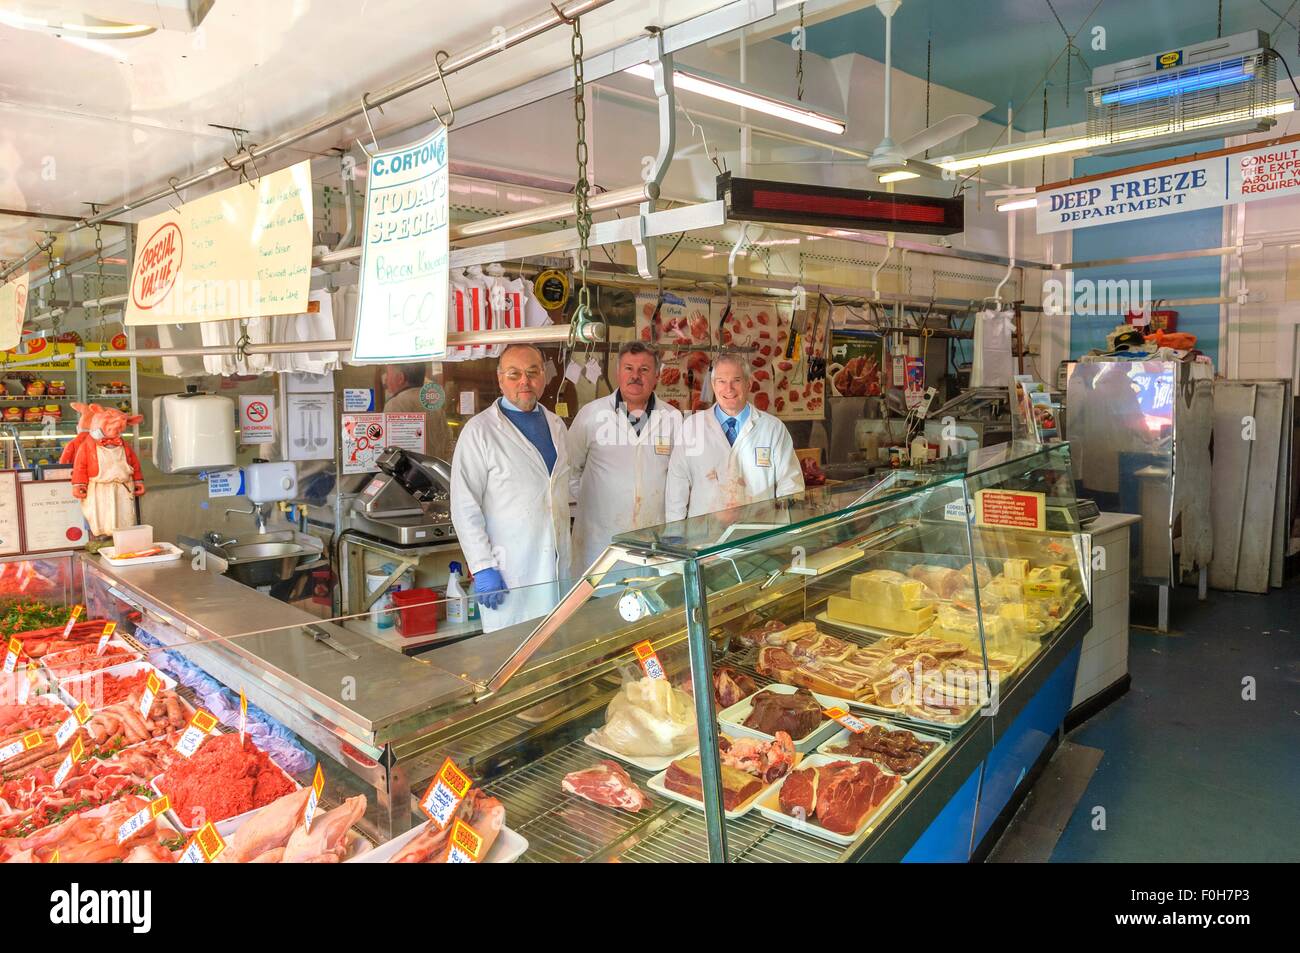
256,418
239,253
1264,172
13,306
402,311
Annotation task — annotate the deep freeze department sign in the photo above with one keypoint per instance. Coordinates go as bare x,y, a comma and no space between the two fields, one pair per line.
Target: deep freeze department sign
1262,173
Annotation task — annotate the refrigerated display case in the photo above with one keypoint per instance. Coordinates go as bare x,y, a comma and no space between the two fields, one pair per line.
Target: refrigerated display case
910,605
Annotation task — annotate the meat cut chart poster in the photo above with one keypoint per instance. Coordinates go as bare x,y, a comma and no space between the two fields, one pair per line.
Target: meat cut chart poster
680,326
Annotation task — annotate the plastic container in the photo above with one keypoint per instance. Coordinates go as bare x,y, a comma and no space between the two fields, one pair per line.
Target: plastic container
131,539
381,612
416,611
457,602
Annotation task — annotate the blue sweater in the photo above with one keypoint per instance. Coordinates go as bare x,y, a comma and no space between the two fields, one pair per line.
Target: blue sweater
534,427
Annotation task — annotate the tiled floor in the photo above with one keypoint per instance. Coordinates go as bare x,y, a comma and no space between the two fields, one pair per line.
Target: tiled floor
1190,771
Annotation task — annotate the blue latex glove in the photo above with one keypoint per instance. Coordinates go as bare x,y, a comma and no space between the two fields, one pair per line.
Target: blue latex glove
490,587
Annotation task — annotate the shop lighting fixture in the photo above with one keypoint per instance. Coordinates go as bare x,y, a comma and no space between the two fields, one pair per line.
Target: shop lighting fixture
87,27
1230,75
723,91
1084,143
899,176
1017,205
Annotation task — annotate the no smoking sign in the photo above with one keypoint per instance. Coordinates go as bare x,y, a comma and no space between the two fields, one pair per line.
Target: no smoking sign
256,418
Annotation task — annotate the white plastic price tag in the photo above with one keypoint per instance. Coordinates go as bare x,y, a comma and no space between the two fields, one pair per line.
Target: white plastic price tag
11,656
313,799
25,684
104,637
72,620
845,719
140,818
65,768
650,663
151,686
194,733
26,743
465,845
204,847
447,789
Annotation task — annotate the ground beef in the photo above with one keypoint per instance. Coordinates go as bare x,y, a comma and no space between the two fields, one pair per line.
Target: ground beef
221,780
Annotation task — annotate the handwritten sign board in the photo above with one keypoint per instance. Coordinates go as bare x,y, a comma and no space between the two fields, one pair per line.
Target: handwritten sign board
402,311
239,253
13,306
51,516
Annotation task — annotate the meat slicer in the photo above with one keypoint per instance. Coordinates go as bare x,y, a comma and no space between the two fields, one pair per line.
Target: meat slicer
408,502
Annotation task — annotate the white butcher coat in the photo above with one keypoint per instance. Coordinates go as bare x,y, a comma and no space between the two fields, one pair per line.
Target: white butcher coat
617,476
705,474
509,513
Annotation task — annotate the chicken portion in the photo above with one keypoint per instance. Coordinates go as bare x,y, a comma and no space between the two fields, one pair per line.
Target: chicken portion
269,828
328,839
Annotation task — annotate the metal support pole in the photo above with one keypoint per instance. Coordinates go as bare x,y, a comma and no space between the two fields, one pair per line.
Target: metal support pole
647,255
697,638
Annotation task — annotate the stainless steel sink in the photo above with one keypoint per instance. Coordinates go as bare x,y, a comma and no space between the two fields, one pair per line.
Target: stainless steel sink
260,560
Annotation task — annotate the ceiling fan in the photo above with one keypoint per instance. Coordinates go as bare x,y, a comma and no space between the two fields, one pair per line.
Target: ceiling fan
889,156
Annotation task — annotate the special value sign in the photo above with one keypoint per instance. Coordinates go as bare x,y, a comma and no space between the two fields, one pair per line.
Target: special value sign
402,311
1263,173
239,253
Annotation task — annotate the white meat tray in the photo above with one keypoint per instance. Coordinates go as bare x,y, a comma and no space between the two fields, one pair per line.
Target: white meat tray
171,554
841,736
645,763
122,669
508,848
733,718
112,644
769,805
225,827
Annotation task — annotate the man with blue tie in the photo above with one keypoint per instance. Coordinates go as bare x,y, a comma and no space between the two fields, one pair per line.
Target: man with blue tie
731,455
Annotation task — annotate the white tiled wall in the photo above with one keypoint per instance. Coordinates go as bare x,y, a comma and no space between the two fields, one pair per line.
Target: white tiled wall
1104,659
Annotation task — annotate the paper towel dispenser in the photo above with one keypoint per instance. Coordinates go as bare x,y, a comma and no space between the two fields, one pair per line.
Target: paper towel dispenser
193,432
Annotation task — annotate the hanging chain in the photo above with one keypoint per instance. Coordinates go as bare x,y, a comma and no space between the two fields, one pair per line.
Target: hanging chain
803,41
99,274
55,317
581,187
927,88
1042,170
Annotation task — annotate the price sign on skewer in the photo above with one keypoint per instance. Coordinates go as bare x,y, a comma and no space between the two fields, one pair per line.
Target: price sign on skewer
195,732
465,845
104,637
25,685
204,847
136,822
72,620
66,767
151,686
26,743
650,663
80,715
243,715
447,789
845,719
317,785
11,656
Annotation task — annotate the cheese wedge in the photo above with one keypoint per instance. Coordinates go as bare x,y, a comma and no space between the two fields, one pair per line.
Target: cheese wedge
1015,569
887,589
877,615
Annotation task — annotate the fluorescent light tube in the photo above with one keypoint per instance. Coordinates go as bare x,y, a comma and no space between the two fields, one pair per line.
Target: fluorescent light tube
1018,204
898,176
1230,75
759,102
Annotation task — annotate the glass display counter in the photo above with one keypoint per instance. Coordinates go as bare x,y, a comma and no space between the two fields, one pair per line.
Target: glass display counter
852,652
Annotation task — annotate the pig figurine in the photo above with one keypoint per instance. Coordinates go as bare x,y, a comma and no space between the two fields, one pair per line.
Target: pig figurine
86,414
105,470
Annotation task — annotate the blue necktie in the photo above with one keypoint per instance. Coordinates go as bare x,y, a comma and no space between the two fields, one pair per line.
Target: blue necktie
730,430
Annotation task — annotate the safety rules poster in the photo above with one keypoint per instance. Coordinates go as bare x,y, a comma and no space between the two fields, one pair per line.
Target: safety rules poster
402,312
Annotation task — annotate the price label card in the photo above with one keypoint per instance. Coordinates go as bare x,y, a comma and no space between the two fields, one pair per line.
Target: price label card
650,663
72,620
104,637
136,822
25,743
447,789
317,785
25,685
65,768
205,847
11,656
195,732
151,686
845,719
80,715
464,845
243,714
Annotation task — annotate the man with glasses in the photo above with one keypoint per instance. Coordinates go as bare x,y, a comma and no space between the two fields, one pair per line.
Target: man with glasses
619,447
732,454
510,496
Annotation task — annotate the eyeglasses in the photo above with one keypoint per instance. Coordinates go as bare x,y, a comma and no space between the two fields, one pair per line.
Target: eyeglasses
514,375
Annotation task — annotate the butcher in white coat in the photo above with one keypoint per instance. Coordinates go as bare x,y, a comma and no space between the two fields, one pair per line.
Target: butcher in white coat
619,448
510,496
731,454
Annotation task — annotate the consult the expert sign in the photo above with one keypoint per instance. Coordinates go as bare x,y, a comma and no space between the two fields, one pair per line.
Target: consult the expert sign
402,313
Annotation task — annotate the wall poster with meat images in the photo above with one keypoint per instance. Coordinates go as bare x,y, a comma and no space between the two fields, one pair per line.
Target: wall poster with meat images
796,397
853,368
681,325
759,323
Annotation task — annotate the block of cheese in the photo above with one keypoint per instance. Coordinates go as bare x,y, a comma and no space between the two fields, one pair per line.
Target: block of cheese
1047,589
1013,611
1004,589
878,615
890,589
1015,569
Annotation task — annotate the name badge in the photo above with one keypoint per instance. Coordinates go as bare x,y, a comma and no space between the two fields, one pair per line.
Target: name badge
763,456
663,446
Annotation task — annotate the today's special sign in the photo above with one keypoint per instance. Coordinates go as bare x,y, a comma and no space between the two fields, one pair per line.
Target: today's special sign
402,311
1263,173
239,253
